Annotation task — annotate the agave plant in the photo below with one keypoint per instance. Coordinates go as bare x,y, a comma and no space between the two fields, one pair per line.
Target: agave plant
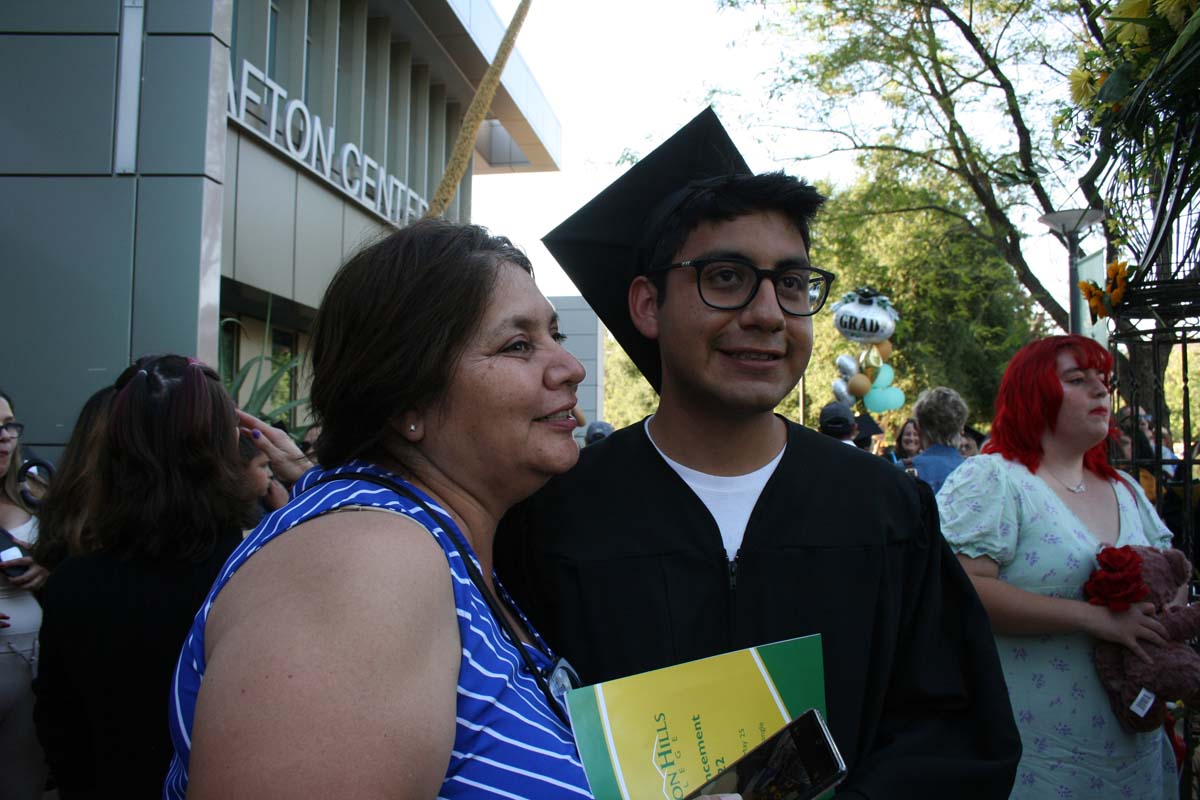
260,400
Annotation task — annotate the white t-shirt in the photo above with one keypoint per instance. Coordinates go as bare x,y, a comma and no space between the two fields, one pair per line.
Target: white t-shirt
730,499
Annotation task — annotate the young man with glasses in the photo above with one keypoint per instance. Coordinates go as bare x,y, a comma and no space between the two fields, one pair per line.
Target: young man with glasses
715,525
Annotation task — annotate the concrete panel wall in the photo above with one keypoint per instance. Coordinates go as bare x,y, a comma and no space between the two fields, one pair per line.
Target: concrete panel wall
63,85
188,16
173,131
62,16
168,243
266,220
229,204
318,240
358,229
68,255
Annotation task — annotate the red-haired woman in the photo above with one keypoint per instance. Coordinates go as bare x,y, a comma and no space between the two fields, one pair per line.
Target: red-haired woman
1026,520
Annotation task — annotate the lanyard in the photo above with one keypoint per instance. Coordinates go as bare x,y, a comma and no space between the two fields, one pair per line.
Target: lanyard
562,675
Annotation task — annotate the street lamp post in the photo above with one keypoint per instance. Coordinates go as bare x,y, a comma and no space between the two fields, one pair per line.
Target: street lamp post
1069,223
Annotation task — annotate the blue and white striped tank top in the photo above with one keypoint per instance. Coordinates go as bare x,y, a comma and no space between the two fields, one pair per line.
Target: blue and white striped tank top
508,743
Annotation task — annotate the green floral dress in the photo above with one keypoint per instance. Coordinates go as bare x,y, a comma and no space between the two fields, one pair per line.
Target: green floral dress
1073,745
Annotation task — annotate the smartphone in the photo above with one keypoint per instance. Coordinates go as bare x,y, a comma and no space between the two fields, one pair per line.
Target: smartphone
799,762
11,550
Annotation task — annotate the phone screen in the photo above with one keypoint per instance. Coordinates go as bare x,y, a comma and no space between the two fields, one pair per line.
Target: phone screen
797,763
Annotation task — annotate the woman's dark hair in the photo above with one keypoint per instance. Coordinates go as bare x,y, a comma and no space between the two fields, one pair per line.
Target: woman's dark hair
726,198
392,325
171,480
899,448
246,449
10,486
64,512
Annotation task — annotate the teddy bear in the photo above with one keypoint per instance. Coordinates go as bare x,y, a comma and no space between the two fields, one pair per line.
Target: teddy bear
1175,671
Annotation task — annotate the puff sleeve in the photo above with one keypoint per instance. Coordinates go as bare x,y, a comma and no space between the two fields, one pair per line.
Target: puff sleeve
980,509
1153,528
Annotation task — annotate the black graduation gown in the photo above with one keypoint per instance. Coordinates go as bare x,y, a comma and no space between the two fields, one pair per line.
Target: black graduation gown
622,569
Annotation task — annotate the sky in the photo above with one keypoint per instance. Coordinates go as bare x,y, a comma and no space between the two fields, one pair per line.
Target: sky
626,74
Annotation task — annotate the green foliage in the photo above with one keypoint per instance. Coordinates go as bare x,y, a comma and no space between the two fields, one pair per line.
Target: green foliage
270,396
628,397
966,91
962,312
1173,390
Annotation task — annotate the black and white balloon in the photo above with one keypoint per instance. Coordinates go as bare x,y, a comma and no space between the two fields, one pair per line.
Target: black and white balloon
865,316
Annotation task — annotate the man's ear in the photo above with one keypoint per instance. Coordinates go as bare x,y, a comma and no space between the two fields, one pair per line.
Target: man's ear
643,306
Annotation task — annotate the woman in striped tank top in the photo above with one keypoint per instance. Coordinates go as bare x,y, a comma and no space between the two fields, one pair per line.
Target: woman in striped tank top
374,654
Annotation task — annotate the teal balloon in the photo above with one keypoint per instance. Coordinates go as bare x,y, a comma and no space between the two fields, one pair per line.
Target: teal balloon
879,400
884,377
873,400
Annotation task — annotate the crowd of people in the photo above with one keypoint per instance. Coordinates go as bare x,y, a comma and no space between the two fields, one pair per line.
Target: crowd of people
397,611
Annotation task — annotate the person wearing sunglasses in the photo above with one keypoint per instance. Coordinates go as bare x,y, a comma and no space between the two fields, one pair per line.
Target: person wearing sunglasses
715,524
24,771
357,644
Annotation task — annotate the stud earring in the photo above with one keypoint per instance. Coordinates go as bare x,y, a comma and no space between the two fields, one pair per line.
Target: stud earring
412,428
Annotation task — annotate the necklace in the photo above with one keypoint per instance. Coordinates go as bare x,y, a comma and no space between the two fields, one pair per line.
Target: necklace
1078,488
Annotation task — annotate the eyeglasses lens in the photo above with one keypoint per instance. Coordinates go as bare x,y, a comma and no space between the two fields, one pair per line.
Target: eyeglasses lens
13,429
730,284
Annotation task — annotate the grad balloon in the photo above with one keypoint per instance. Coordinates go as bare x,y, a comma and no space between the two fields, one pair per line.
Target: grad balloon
847,367
882,395
859,385
841,392
865,316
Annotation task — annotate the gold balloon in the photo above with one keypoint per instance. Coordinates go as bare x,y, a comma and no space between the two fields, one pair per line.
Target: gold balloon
859,385
885,349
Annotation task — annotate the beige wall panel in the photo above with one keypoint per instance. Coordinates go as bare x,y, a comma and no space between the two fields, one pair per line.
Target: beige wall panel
266,220
318,240
229,220
358,229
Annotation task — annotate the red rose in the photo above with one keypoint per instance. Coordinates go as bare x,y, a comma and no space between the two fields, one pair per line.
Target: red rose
1119,559
1118,581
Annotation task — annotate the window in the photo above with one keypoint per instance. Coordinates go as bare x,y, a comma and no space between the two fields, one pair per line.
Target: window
227,352
283,350
272,40
308,50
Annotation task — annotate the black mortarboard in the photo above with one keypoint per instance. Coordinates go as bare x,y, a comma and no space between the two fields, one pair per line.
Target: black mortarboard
600,245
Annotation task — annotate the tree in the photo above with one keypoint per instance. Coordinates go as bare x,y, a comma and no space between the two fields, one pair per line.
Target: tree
907,232
628,397
932,84
971,91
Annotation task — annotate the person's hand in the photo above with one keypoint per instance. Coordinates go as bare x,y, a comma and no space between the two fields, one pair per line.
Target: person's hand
287,462
34,577
277,496
1128,628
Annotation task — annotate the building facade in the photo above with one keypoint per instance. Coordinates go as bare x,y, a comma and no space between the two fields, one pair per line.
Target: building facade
186,175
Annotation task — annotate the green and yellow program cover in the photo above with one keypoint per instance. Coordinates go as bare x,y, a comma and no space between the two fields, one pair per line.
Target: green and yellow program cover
667,732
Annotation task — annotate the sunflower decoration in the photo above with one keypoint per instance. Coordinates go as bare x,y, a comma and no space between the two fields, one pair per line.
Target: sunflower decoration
1101,302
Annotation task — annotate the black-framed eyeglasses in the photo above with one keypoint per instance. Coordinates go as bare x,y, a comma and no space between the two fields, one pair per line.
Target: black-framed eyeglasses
728,283
13,429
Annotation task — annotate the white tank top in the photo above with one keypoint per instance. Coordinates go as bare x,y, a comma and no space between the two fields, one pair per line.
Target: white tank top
24,612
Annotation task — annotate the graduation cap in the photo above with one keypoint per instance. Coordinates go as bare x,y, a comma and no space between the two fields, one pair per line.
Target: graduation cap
603,246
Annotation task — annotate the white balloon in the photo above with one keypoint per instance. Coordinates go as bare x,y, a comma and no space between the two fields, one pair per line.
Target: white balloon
847,367
841,392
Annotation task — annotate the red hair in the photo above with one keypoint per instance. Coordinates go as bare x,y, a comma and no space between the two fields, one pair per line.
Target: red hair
1031,394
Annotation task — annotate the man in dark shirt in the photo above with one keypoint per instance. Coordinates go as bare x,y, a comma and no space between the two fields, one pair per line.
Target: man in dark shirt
716,525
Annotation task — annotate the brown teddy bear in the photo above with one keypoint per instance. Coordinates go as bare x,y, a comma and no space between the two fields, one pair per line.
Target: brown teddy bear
1175,671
